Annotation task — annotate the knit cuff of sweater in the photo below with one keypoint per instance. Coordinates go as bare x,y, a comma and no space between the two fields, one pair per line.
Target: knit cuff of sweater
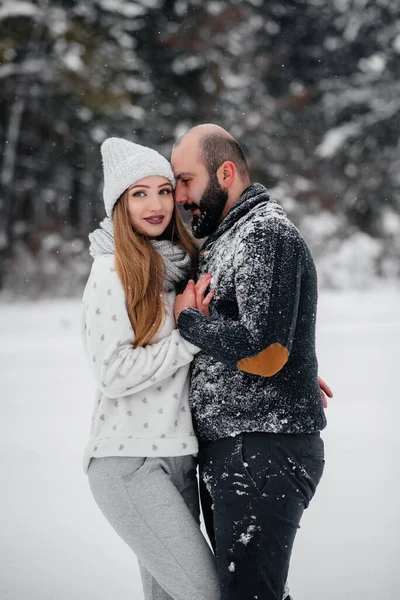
189,341
188,325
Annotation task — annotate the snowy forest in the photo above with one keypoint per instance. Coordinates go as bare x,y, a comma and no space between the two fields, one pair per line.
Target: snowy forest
310,88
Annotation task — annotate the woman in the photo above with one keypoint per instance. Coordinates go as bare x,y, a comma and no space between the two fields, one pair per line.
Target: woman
139,458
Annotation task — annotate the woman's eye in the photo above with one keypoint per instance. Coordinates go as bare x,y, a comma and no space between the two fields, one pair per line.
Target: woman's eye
138,194
166,191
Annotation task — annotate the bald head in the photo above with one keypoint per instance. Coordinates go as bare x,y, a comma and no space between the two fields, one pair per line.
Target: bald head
200,131
213,146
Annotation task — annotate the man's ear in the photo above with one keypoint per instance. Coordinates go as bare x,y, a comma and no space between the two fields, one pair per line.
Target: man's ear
226,174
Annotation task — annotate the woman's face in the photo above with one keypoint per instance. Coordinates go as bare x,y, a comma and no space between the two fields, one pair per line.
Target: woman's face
150,205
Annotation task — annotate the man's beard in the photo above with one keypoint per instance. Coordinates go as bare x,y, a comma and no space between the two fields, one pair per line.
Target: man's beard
212,204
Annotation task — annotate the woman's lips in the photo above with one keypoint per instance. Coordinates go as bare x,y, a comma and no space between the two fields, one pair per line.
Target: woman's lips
154,220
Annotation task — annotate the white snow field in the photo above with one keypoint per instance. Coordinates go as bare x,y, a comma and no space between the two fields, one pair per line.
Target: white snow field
55,543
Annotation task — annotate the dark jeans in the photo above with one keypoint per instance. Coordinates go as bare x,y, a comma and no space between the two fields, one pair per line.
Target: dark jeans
254,488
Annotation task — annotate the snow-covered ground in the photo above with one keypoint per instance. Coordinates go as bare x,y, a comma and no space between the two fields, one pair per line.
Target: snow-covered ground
56,545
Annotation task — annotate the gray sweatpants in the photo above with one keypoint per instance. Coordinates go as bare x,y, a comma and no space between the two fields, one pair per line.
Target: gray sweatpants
152,503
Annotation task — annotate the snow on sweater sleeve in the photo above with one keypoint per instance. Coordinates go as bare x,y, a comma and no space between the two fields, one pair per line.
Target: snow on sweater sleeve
119,368
267,264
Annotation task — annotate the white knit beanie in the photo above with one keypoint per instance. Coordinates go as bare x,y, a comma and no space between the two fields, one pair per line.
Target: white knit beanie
124,163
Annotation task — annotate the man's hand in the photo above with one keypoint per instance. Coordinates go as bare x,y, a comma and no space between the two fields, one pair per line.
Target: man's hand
203,303
193,296
185,300
325,391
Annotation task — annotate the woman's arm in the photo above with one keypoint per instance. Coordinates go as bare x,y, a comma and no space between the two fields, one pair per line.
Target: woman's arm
119,368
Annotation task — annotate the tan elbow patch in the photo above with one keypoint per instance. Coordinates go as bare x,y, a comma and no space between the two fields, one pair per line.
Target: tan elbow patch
267,362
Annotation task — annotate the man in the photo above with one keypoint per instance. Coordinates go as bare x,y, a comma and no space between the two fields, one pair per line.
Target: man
255,395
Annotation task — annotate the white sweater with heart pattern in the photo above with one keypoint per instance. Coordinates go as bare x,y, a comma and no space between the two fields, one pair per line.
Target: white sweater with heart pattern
141,403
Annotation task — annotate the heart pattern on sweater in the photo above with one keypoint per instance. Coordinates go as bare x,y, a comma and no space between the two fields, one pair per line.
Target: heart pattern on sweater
105,309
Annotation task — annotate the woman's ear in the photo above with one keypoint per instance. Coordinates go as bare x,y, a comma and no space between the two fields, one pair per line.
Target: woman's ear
226,174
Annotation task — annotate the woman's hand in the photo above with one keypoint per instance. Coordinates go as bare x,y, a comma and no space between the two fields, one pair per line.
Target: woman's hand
193,296
203,303
185,300
325,391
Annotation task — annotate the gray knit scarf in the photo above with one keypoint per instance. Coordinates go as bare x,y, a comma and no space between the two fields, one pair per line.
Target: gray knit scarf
177,261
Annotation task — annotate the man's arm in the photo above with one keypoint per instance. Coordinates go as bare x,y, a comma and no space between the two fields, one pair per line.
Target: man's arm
268,266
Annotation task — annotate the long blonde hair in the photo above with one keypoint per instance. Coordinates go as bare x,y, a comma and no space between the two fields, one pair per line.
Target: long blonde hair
141,269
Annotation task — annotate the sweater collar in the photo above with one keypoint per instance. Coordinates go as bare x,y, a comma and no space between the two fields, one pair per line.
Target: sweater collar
252,196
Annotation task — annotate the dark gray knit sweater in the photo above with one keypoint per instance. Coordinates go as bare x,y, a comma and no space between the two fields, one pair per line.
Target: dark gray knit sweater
257,370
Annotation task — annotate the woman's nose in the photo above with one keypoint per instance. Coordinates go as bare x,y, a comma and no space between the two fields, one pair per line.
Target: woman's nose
155,203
